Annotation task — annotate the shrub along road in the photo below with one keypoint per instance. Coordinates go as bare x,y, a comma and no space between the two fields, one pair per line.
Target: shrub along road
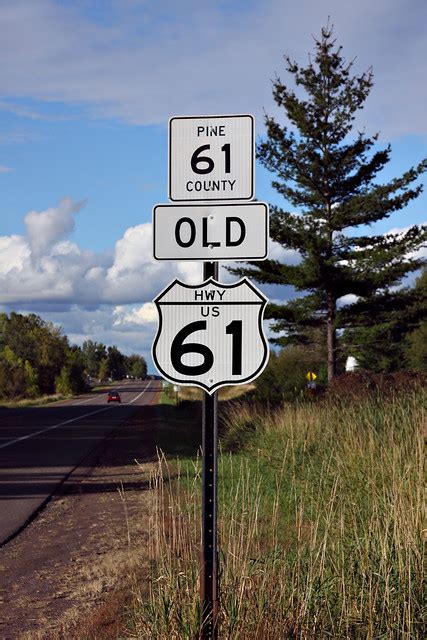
41,446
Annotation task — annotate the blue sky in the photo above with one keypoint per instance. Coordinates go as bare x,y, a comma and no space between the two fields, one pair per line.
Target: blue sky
86,89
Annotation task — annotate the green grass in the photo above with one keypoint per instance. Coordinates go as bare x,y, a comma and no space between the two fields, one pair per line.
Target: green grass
319,526
168,395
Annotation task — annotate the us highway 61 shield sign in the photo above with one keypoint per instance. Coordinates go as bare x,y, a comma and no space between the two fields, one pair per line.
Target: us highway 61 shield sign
210,335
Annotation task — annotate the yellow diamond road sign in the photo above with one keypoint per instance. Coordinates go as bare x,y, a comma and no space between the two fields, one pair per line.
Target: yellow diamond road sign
311,376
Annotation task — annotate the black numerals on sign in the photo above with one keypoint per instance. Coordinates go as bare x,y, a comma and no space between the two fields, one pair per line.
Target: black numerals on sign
226,149
197,160
235,329
179,349
204,164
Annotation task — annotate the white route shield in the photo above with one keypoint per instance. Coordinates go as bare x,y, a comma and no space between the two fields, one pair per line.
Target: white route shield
210,335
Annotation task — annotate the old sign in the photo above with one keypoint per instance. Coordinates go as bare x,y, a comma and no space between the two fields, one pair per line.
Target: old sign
210,335
211,158
210,231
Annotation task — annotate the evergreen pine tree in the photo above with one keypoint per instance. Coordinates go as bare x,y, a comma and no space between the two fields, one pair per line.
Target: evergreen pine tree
389,335
415,346
326,171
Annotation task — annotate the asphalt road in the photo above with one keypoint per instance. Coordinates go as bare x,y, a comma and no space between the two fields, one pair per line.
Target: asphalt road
41,446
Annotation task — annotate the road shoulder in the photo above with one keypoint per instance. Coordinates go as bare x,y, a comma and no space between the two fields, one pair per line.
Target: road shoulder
86,547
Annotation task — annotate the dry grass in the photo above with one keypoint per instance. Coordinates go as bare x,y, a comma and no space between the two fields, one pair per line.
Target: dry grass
225,393
33,402
320,527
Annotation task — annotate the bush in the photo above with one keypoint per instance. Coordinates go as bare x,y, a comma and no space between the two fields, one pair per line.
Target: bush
17,379
12,380
416,348
32,389
62,382
361,384
70,381
239,425
285,375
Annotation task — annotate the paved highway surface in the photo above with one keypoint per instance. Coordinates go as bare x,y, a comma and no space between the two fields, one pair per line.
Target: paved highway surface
40,446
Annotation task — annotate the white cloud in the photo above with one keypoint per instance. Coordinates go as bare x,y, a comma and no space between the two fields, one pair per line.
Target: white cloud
147,314
275,252
421,252
27,112
4,169
45,228
144,61
46,266
278,252
135,276
14,254
190,272
350,298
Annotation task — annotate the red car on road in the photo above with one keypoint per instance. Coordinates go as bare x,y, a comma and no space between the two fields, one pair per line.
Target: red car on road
114,396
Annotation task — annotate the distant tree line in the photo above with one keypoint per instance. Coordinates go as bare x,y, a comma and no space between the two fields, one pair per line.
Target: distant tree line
37,359
108,362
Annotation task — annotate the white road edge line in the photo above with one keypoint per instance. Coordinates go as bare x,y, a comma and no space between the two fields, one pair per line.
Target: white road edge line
83,401
140,394
61,424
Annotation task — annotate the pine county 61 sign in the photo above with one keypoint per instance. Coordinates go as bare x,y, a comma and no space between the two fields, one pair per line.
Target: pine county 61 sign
211,334
211,158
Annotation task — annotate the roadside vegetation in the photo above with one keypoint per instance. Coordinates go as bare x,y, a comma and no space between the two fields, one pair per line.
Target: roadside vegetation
32,402
319,523
37,362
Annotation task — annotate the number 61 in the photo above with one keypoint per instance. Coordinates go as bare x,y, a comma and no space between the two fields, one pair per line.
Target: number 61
197,160
179,349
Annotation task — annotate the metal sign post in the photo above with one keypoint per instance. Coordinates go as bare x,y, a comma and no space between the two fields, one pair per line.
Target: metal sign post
210,334
209,552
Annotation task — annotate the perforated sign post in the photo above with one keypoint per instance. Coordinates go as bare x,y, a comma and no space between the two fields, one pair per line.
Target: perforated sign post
210,335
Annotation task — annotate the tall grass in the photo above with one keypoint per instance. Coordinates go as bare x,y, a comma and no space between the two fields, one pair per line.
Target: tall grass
319,527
